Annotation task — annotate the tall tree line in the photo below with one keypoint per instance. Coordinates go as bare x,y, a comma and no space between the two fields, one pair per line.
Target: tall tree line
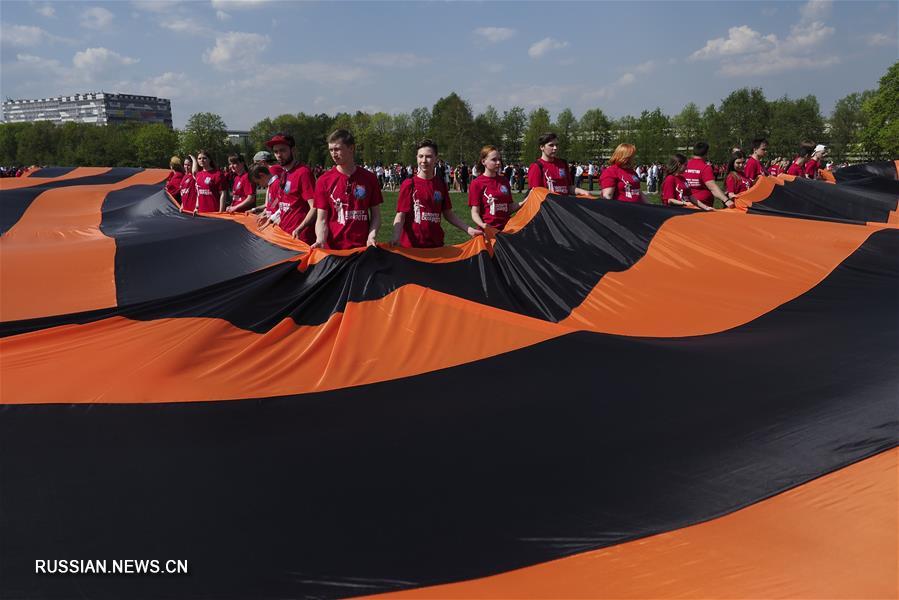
863,125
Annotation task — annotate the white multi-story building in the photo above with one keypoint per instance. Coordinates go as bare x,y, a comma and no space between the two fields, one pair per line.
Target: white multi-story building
100,108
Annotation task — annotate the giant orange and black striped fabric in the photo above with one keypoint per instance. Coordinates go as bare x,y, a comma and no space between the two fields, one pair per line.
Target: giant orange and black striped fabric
606,400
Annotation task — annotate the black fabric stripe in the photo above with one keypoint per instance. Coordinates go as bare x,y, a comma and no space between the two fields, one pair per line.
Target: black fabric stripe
574,444
542,271
47,172
161,252
14,203
861,201
879,169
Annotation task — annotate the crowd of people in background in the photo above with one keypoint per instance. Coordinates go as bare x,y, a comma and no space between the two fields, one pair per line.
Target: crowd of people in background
338,208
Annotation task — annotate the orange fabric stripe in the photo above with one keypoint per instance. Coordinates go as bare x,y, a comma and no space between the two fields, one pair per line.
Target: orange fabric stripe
38,279
171,360
14,183
834,537
708,272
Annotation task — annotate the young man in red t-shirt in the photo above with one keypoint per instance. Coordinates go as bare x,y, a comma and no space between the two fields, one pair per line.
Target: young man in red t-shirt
815,162
423,199
243,191
701,179
346,199
294,214
753,169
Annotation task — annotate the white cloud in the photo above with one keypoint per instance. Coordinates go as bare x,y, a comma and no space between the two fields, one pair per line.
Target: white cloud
815,10
222,15
38,62
25,36
167,85
746,52
96,17
46,11
402,60
99,59
880,39
628,78
238,4
539,49
235,48
188,26
740,40
495,34
155,6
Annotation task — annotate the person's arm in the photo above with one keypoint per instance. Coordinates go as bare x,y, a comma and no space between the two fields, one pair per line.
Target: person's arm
308,221
321,228
222,200
375,224
193,165
717,193
398,222
476,217
582,192
246,203
453,218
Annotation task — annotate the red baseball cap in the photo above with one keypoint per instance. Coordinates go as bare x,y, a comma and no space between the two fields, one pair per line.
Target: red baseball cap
280,138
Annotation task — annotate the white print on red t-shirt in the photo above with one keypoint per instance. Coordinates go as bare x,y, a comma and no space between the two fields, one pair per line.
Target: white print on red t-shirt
419,215
628,190
497,206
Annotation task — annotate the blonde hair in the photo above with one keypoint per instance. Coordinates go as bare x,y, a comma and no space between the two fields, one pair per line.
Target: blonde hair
623,154
175,163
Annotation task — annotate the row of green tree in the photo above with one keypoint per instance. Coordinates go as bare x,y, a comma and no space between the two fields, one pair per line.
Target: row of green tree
862,126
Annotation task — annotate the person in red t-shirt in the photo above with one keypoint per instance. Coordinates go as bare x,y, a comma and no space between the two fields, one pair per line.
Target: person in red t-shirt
548,171
774,168
490,194
753,169
173,181
188,187
815,163
243,190
675,190
262,177
701,179
346,199
619,181
294,213
210,187
422,200
797,168
736,182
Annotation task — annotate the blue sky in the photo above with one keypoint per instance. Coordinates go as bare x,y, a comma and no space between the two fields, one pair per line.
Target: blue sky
249,59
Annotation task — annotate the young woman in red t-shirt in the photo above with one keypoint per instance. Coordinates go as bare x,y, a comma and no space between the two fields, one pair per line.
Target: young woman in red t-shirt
209,184
675,191
619,181
188,186
173,181
736,182
490,194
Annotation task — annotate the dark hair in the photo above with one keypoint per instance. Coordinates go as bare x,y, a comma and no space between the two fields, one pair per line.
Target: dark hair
805,151
807,144
427,143
342,136
757,143
237,158
675,163
546,138
733,159
700,148
209,156
258,170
